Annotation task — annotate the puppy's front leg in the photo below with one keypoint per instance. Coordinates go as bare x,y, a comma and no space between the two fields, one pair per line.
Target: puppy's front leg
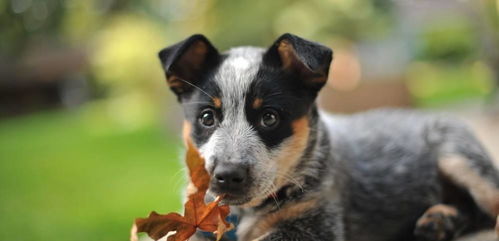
310,219
312,226
299,234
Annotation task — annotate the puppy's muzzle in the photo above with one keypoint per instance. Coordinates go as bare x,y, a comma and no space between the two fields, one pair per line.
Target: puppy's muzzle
230,179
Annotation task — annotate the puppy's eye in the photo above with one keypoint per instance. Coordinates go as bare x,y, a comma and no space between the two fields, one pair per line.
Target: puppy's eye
207,117
269,119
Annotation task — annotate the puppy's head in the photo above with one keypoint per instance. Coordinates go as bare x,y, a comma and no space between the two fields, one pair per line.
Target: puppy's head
247,110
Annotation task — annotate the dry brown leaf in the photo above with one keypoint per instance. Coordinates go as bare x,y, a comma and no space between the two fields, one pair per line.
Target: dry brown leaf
197,173
209,217
223,227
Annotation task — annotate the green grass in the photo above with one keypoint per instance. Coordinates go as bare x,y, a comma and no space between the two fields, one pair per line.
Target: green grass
63,178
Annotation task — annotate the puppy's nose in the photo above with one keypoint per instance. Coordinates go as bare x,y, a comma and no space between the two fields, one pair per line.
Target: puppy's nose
229,177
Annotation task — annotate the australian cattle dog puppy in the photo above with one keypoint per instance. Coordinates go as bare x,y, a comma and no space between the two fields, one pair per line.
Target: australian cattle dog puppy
292,172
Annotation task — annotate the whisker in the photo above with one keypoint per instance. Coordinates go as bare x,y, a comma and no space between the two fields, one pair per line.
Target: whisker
193,85
178,181
173,178
180,184
291,179
274,197
196,102
269,191
273,94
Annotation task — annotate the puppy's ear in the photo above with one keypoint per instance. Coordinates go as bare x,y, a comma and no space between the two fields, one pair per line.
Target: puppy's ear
185,62
309,60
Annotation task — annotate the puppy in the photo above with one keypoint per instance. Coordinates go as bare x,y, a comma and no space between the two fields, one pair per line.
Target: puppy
292,172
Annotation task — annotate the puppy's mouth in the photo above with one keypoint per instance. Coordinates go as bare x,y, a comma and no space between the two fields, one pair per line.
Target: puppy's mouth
241,199
230,198
235,200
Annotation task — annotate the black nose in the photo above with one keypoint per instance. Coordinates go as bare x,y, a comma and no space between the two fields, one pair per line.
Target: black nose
230,178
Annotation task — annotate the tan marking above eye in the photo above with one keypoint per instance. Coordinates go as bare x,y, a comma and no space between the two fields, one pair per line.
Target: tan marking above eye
217,101
257,103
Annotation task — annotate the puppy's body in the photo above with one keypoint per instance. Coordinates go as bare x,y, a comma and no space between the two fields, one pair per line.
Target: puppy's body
376,181
293,173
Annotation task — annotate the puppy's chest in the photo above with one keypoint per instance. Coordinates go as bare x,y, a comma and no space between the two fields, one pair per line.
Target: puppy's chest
247,227
255,225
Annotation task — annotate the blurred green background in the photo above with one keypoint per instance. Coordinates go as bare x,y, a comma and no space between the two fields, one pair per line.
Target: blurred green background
89,132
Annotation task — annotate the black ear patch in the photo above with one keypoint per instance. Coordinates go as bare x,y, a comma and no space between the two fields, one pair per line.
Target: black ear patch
185,62
307,59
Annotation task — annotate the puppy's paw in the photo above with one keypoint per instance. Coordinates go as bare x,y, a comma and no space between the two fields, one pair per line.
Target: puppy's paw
437,224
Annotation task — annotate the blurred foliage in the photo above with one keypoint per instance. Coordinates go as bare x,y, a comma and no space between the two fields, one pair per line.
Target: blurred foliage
457,59
491,12
230,22
452,39
123,37
130,75
261,22
436,84
447,67
22,21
